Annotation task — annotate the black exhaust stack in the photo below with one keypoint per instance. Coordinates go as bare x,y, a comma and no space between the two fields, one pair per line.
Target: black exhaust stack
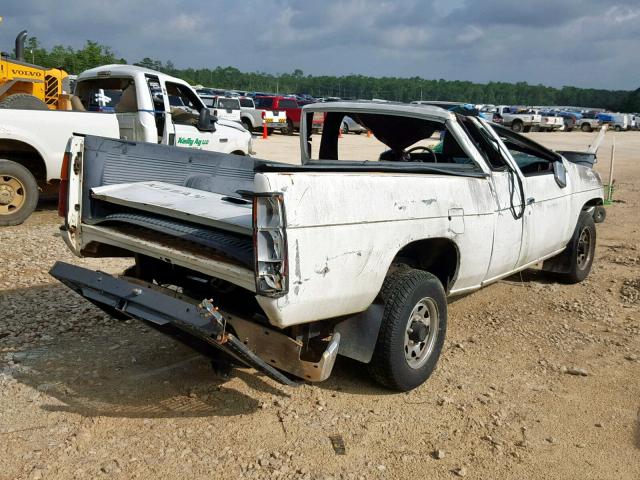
22,36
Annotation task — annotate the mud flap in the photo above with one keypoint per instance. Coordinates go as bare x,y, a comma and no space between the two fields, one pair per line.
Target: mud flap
120,297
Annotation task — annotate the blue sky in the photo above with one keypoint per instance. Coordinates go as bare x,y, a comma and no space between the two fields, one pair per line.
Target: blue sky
586,43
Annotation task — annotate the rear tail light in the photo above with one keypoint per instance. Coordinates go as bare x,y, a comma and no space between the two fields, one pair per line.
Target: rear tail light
270,245
63,192
263,112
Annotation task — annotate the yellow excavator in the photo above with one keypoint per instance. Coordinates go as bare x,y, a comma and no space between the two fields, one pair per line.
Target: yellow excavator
27,86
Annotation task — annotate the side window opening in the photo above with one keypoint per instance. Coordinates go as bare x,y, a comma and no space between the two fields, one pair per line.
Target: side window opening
185,105
484,143
531,158
399,139
155,90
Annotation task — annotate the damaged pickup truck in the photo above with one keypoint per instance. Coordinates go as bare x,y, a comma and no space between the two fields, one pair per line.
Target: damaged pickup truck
284,267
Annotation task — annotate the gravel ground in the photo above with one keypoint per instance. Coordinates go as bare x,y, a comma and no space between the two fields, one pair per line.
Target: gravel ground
537,380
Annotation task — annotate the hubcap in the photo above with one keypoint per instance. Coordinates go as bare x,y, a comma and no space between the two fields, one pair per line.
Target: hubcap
584,248
420,335
12,194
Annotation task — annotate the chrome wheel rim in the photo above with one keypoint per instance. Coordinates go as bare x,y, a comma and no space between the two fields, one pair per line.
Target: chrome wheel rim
12,194
584,248
421,332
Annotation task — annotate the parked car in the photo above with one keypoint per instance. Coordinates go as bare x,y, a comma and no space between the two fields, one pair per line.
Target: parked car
290,106
517,119
251,117
144,106
588,122
457,107
618,121
350,125
226,108
275,118
548,122
286,266
570,119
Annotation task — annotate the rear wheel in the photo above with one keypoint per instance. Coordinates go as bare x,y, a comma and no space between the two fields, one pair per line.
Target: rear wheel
288,130
344,128
517,126
18,193
23,101
413,329
247,124
617,128
585,127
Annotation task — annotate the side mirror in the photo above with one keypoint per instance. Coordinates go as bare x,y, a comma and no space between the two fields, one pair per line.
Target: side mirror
206,121
560,173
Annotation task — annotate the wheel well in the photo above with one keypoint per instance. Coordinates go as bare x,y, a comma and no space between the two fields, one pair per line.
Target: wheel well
26,155
439,256
594,202
237,152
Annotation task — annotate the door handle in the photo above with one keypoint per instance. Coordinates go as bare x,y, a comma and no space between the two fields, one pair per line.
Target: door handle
531,201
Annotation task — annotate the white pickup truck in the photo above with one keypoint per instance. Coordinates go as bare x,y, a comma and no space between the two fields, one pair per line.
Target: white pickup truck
286,266
32,142
517,119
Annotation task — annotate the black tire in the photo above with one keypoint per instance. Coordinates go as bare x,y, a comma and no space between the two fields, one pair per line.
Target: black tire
23,101
246,123
289,129
618,128
18,193
574,264
585,127
344,128
409,294
269,131
599,214
517,126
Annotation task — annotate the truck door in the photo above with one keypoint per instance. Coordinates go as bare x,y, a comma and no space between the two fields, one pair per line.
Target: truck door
547,197
163,128
184,108
508,222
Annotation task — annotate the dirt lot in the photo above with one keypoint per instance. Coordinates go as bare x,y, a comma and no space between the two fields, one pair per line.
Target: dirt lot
84,396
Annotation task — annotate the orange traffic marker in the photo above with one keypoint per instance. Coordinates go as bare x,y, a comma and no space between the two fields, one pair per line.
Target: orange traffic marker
368,133
265,135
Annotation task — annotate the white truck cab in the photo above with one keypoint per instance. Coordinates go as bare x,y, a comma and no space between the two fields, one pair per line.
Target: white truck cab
157,108
222,107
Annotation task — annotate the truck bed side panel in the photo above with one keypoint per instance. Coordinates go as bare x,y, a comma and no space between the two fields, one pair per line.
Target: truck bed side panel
343,231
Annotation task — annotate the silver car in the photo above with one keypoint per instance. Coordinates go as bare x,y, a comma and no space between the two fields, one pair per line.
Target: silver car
350,125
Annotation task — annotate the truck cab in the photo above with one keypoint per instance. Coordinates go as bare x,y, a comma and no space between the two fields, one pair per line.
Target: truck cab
157,108
223,107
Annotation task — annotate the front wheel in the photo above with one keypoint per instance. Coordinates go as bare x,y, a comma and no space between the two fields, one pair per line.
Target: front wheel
18,193
574,264
517,126
413,329
585,127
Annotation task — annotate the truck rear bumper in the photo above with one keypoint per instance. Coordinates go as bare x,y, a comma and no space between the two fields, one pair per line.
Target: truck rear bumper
254,345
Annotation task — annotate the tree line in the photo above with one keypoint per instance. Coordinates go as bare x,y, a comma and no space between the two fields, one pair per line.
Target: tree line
92,54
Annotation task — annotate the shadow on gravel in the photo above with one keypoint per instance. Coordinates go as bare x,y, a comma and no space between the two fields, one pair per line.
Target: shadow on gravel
531,275
94,366
157,381
352,377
